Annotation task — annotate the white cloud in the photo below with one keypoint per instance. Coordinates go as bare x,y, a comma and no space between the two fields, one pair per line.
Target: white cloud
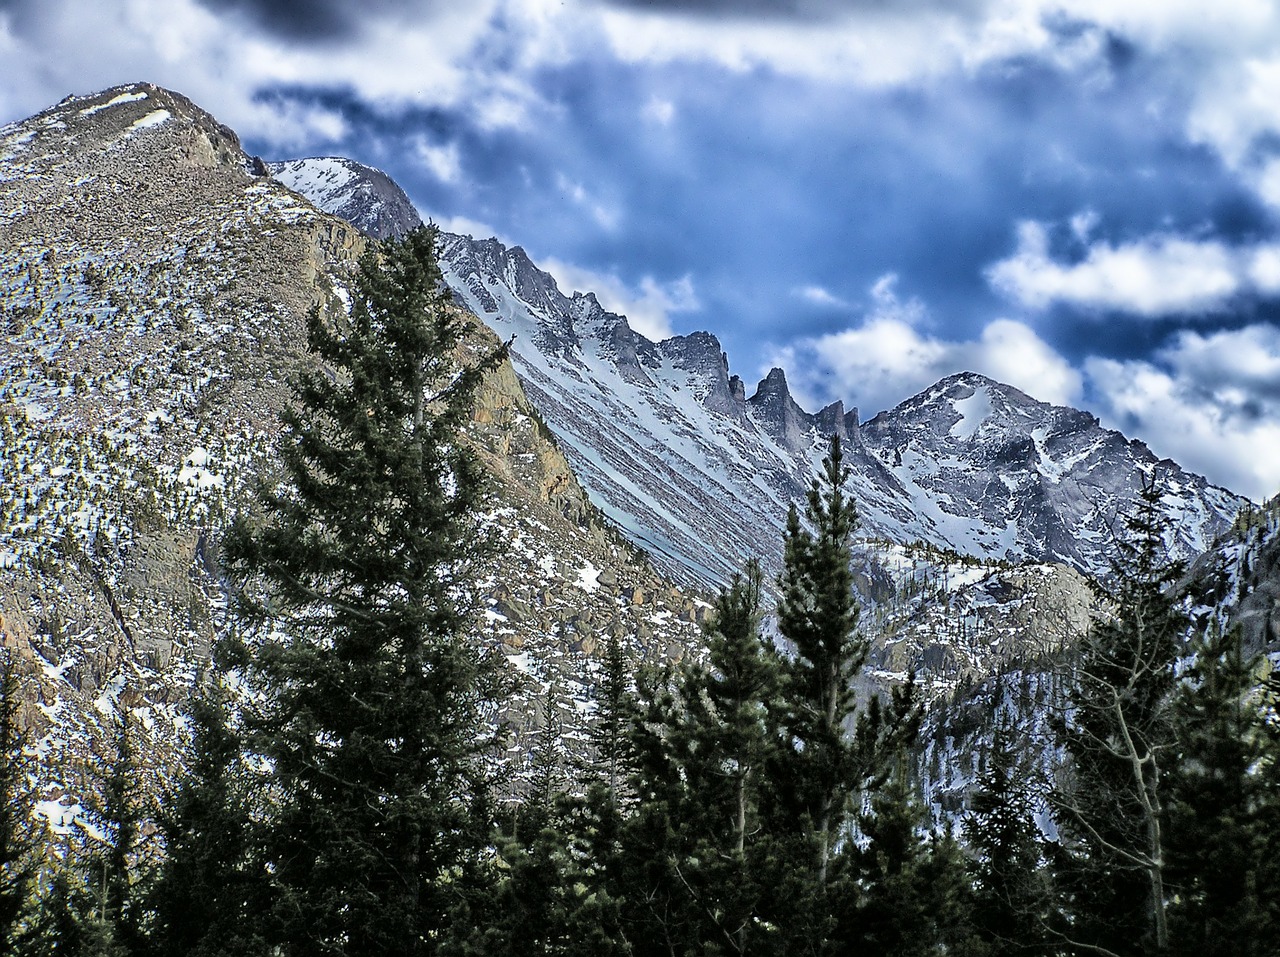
1210,402
463,226
875,51
223,63
648,307
659,111
819,296
886,358
444,162
1236,105
1154,276
607,217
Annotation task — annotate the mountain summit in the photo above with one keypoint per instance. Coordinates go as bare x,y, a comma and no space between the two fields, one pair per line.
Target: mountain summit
154,288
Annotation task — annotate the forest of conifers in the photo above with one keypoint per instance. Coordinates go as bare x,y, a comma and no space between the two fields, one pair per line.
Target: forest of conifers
342,794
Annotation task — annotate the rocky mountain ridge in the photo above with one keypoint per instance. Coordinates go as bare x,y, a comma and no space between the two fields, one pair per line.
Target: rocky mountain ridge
365,197
660,432
958,486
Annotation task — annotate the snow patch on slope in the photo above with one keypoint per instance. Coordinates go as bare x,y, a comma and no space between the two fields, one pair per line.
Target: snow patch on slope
973,412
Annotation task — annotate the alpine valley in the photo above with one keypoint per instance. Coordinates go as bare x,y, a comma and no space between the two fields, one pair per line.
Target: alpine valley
154,281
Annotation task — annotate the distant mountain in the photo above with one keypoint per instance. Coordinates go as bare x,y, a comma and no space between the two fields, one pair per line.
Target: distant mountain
673,449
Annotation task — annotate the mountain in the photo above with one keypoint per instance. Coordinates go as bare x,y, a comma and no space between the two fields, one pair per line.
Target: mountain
673,449
365,197
985,512
154,282
153,285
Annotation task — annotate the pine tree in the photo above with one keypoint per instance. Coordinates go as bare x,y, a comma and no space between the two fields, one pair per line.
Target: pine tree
818,615
115,874
541,904
726,742
1010,884
593,871
211,888
911,893
1118,738
830,749
700,751
354,574
65,914
739,682
1268,815
1218,837
18,853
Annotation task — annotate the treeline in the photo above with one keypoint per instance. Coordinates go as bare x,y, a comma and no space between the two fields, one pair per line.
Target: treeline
343,793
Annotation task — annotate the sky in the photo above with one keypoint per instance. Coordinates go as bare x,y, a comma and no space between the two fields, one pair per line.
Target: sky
1081,199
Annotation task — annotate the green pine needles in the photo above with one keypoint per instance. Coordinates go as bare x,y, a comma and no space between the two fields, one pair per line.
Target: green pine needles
354,607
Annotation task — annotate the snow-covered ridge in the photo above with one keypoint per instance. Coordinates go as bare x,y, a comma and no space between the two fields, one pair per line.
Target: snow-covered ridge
671,447
365,197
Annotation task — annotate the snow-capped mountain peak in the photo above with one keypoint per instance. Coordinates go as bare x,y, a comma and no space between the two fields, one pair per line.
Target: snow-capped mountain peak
668,444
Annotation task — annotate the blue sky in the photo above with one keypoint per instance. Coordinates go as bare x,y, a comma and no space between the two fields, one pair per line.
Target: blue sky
1079,198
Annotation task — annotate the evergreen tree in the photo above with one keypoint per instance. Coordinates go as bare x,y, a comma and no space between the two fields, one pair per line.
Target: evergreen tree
818,615
830,749
541,904
1218,837
1010,885
700,751
65,911
911,895
1118,737
114,872
609,732
18,857
354,575
605,796
1268,815
725,743
210,889
594,876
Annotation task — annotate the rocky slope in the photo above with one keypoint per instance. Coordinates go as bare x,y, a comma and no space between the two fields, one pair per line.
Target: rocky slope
153,285
669,444
957,485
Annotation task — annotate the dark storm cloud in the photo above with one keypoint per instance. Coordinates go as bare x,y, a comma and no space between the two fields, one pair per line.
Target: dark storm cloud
22,15
323,21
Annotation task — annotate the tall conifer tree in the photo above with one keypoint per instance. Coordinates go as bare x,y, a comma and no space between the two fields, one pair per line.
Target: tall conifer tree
115,872
912,896
354,574
701,750
1010,885
18,864
211,886
1218,836
829,749
1118,735
818,616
